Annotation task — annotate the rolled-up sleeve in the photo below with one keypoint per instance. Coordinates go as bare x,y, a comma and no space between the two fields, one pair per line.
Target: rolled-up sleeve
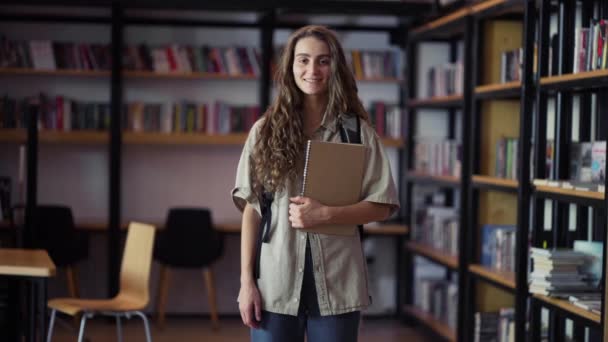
243,193
378,183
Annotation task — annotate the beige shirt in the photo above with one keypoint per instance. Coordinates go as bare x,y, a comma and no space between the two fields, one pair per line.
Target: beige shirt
338,261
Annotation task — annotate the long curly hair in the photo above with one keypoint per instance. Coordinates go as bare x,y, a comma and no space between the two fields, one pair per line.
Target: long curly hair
281,140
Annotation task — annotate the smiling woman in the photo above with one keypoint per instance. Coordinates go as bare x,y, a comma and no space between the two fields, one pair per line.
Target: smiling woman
295,283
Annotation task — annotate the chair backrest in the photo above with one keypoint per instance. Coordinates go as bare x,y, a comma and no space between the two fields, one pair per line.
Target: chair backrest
137,261
189,239
53,226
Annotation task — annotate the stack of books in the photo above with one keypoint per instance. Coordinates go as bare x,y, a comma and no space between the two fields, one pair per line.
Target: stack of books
589,301
557,273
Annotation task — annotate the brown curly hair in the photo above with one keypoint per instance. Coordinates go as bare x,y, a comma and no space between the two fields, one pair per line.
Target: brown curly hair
281,140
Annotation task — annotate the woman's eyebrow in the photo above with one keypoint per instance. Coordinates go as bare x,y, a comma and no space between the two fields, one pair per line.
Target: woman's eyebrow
308,55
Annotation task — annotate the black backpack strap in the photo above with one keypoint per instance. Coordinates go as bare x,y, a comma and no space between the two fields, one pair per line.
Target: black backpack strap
263,232
351,137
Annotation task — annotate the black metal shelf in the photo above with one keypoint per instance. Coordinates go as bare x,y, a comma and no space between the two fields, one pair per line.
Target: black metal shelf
511,90
580,81
503,280
451,101
421,178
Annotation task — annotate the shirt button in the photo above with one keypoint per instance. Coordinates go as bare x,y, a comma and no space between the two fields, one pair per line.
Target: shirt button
303,236
295,299
300,269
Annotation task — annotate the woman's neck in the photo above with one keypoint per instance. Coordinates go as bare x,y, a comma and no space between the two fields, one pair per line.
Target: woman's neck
314,109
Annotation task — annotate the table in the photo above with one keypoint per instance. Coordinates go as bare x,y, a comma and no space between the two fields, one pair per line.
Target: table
36,266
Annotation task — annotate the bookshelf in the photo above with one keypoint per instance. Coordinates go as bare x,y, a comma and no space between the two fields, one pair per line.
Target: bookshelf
437,51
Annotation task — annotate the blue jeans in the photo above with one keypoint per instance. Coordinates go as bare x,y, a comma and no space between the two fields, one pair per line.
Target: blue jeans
285,328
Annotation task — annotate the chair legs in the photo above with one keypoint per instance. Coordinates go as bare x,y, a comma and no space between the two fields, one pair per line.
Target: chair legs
146,324
83,322
118,329
162,296
49,334
209,283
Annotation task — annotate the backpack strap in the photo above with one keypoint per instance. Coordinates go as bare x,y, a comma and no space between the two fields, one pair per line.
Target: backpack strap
351,137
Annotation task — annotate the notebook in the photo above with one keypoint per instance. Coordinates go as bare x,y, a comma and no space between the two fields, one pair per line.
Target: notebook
333,175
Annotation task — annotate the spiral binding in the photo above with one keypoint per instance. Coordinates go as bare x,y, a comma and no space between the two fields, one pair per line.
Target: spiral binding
308,146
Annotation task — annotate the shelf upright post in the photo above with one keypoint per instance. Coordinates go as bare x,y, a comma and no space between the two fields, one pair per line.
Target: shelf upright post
464,247
603,111
525,186
540,147
267,24
26,238
115,151
408,161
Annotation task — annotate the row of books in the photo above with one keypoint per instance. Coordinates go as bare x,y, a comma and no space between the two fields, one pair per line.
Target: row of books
437,227
231,60
53,55
591,301
588,162
387,119
438,157
374,64
446,79
190,117
511,65
439,298
566,272
495,326
591,46
64,114
506,158
48,55
498,247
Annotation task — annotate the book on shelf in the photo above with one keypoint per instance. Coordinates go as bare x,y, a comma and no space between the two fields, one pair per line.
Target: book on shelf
496,326
326,181
386,119
437,156
498,247
511,65
445,79
566,278
590,46
506,158
437,227
438,298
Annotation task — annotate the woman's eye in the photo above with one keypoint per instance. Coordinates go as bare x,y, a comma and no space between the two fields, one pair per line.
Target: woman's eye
303,60
324,61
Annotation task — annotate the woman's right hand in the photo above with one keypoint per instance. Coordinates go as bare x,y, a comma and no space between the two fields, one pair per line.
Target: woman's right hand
250,304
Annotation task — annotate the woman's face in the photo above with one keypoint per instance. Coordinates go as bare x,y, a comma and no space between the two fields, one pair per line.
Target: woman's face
311,66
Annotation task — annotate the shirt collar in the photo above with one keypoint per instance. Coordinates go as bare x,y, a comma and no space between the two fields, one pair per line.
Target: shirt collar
330,122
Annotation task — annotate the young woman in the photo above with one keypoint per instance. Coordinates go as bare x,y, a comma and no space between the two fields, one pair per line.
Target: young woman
313,284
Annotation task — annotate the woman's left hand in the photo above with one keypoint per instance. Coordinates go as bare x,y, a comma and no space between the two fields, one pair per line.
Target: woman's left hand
305,212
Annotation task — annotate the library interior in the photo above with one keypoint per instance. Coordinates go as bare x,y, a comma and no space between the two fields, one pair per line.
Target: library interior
123,123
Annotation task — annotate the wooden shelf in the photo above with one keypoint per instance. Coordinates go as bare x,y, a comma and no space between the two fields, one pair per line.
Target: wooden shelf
440,101
431,322
495,182
74,137
505,279
13,135
569,307
187,75
450,19
426,178
501,90
393,142
153,138
572,193
497,7
59,72
438,256
386,229
596,78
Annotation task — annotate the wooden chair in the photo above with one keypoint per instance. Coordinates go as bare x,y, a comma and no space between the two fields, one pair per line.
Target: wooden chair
188,241
133,295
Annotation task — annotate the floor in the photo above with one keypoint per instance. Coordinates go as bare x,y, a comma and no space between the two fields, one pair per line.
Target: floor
231,330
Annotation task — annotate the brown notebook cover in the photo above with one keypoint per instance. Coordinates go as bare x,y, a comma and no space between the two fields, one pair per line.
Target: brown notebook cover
333,175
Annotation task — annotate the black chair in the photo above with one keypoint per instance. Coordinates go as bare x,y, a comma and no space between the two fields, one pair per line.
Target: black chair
188,241
54,231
